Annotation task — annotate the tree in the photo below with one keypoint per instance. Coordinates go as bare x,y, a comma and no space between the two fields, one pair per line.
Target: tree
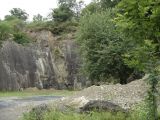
67,3
78,8
139,21
109,3
62,14
12,27
101,48
9,17
93,7
38,18
66,10
19,13
99,5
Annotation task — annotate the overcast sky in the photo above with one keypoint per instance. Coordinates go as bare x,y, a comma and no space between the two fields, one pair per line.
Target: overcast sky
32,7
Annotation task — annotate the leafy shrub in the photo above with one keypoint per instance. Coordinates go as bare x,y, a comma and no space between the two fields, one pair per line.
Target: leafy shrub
11,27
65,27
55,27
37,25
5,30
21,38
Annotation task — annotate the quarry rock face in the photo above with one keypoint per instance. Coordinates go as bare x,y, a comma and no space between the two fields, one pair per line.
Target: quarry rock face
45,63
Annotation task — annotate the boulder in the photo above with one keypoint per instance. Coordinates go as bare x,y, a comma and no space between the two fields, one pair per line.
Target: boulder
100,105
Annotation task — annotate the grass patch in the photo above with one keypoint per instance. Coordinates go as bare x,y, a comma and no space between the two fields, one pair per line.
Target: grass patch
56,115
139,113
35,92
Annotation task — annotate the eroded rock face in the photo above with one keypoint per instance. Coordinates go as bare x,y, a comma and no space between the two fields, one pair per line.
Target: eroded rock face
23,67
45,63
65,58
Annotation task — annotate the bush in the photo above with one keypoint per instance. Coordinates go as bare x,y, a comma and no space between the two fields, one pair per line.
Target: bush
36,25
65,27
21,38
55,27
5,30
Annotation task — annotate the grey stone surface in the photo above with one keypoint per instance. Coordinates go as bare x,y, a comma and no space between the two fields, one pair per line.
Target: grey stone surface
45,63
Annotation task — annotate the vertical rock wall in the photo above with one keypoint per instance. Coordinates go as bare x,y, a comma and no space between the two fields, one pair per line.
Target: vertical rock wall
23,67
45,63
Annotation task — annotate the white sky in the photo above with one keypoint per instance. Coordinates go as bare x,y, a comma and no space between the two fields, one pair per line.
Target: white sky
32,7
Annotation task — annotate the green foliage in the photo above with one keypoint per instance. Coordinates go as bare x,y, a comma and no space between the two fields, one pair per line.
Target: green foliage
38,18
139,21
21,38
11,27
29,116
55,27
10,17
140,55
78,8
98,6
139,113
64,28
56,115
35,92
39,25
19,13
16,24
108,3
67,10
62,14
93,7
101,47
67,3
5,30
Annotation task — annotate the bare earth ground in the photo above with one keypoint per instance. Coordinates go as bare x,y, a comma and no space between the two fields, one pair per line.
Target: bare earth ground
12,108
125,96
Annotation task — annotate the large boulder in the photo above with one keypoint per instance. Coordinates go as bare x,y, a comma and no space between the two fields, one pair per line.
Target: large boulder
101,105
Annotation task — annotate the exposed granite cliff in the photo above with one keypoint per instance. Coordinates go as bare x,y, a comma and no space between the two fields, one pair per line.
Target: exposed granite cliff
45,63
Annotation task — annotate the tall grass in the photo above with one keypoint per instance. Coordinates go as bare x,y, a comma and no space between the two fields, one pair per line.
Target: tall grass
139,112
57,115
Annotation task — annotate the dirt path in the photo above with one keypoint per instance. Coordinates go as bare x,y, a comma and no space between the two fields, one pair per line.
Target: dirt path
12,108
